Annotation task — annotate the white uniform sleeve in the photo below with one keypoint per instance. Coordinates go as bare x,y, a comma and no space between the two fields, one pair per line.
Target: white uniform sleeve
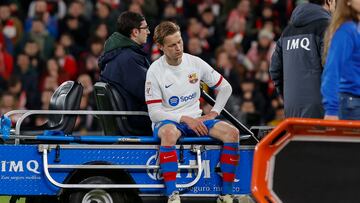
154,99
224,92
215,81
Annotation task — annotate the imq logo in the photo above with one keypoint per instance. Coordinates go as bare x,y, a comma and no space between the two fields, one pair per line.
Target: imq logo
20,166
298,42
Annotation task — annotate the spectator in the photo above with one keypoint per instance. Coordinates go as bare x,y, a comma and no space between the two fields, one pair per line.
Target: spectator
249,114
55,8
70,46
16,89
11,26
29,80
32,50
262,49
170,14
101,31
76,24
7,103
242,11
66,61
53,75
6,61
208,20
40,35
104,14
195,48
250,92
226,68
88,62
41,13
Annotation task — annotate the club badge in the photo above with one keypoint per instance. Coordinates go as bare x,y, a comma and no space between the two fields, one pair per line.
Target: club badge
193,78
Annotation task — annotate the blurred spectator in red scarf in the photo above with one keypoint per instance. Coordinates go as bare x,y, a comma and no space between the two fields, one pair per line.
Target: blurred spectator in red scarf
10,25
6,60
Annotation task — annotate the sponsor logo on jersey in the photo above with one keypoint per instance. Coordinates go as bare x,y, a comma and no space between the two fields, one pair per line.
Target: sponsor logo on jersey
193,78
167,86
187,98
175,100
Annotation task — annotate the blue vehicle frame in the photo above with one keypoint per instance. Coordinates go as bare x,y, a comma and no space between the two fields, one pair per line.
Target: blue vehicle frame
111,168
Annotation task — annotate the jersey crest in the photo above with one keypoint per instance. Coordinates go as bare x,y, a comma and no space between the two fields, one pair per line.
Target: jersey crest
193,78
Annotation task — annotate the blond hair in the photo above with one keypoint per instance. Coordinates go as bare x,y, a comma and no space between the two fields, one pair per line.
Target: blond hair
163,30
343,12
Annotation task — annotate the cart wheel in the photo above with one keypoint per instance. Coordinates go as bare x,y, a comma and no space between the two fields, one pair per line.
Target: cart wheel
96,195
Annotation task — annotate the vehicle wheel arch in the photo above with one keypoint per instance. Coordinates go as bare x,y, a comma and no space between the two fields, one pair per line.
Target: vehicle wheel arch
119,176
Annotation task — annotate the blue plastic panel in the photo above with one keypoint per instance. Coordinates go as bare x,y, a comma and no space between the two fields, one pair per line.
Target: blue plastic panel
21,169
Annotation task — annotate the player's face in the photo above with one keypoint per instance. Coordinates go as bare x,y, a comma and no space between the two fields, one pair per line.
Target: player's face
173,46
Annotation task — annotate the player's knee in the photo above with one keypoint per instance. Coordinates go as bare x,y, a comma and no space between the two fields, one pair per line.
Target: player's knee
232,134
169,134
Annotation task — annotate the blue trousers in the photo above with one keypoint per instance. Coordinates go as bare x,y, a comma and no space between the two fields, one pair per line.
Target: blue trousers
349,107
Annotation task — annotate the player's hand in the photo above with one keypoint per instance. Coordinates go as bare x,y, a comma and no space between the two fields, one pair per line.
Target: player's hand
209,116
329,117
194,124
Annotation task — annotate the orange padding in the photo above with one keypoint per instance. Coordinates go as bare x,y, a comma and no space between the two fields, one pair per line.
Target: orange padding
289,128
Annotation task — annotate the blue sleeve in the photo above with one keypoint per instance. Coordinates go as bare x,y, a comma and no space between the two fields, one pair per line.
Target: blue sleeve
339,52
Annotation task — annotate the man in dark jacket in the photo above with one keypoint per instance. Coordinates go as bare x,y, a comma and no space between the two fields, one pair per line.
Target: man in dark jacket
124,63
296,62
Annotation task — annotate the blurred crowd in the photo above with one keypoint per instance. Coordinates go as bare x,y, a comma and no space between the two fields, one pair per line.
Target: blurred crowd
46,42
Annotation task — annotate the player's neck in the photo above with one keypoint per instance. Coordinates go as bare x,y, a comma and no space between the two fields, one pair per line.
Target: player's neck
173,62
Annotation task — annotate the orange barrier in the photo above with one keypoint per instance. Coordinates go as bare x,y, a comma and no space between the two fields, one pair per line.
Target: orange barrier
277,139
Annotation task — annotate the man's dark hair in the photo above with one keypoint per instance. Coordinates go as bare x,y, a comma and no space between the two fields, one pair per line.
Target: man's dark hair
319,2
127,21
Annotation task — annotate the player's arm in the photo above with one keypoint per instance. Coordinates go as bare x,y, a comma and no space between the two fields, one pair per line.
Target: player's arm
215,81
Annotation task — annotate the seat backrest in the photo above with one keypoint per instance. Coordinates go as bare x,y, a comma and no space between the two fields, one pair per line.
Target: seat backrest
66,97
109,99
104,98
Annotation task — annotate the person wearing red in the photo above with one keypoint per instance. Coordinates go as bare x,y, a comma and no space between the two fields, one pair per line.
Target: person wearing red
6,60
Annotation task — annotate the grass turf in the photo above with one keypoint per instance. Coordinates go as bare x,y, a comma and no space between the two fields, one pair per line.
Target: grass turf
5,199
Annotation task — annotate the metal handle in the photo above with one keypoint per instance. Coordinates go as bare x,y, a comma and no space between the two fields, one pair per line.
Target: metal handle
108,186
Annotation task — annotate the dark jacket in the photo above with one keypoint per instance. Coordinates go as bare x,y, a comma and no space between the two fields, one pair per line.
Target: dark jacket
296,63
124,65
